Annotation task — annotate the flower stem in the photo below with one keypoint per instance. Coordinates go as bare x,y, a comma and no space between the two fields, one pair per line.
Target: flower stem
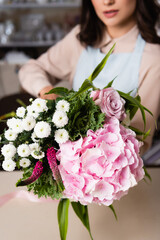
8,115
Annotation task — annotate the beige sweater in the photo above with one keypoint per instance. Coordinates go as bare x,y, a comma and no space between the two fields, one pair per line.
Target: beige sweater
60,61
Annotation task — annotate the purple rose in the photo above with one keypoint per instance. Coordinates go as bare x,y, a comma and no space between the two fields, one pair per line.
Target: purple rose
110,102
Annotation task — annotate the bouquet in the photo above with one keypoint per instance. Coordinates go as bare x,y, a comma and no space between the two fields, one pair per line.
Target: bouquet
79,148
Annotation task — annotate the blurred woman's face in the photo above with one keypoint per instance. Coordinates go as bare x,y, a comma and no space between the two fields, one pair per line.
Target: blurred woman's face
115,13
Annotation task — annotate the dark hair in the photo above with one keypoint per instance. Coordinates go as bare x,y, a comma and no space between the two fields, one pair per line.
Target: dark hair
92,28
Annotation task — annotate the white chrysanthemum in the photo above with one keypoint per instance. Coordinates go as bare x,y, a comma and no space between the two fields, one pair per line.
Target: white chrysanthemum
63,105
28,123
20,112
23,150
0,138
61,136
15,124
8,150
10,122
34,147
7,158
42,129
39,105
31,112
38,154
10,135
60,119
34,137
24,162
8,165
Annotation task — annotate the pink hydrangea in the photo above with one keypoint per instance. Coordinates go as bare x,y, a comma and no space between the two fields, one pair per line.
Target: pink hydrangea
110,102
101,167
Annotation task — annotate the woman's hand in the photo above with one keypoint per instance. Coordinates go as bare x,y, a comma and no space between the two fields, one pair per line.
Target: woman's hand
47,96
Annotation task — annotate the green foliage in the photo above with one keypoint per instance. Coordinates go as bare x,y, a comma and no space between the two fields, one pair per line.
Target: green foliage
7,115
21,102
45,185
86,85
3,139
51,105
133,104
110,83
24,137
146,134
101,65
82,212
147,175
140,133
63,217
114,212
59,91
84,114
132,108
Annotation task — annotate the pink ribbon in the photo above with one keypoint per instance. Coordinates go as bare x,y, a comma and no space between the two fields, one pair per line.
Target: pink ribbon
23,195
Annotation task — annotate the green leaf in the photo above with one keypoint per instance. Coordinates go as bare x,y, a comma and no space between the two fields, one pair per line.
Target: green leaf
133,112
110,83
135,102
4,121
45,185
51,104
114,212
63,217
146,109
21,103
85,86
134,108
83,115
138,98
8,115
147,175
82,212
129,93
146,134
138,132
61,91
101,65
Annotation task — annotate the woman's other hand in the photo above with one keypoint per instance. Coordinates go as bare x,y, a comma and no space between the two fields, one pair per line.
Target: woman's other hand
47,96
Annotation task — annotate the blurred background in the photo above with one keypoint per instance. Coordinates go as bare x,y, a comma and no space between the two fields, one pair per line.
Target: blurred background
27,29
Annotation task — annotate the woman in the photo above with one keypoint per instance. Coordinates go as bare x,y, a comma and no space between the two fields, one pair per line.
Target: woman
135,60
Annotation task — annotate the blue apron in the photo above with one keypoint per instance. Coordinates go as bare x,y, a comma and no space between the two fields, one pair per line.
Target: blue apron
123,65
